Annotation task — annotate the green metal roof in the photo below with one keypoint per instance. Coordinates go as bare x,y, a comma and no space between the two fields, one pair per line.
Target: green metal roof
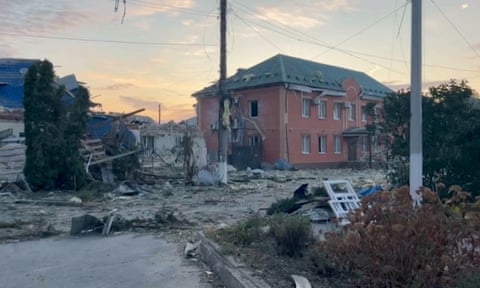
282,69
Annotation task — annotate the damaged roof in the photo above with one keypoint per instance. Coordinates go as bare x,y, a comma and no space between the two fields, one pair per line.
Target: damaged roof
282,69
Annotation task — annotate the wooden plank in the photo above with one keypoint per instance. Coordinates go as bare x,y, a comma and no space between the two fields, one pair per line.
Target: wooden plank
11,171
114,157
91,141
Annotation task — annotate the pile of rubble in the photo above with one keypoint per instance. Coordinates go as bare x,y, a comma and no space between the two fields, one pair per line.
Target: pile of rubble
165,202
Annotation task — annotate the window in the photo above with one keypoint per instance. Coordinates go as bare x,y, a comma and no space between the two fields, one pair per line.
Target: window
364,142
337,148
321,144
337,111
305,107
254,140
364,113
148,142
351,112
305,144
253,109
322,110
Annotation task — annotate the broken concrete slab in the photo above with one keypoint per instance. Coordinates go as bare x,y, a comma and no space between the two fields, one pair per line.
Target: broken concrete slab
191,249
85,224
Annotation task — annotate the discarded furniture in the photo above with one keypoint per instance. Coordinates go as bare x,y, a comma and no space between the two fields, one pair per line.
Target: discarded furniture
343,198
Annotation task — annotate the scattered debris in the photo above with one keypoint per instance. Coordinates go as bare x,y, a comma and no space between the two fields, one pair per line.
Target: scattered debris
108,226
301,282
75,200
301,192
256,173
125,189
343,198
205,177
85,224
282,164
191,249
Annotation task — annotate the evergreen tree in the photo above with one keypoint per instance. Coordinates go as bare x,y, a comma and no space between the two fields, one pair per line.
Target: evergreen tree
52,131
73,174
43,135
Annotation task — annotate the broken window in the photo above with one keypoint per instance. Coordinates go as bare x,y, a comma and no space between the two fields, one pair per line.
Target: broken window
253,109
305,144
337,111
337,146
322,109
321,144
305,107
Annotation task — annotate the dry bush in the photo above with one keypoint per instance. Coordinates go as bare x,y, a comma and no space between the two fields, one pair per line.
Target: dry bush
390,243
292,233
245,232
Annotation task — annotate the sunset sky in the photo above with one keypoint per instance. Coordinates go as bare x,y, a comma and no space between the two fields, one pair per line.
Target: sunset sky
166,50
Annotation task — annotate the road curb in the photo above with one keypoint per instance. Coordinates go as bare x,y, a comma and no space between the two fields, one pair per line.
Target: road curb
231,274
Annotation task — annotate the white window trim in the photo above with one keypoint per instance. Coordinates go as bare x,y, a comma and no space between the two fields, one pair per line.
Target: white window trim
339,105
308,144
322,103
364,113
307,115
324,144
351,112
339,144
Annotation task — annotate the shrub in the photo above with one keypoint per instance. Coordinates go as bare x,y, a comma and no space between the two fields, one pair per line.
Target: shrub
390,243
292,233
246,232
286,205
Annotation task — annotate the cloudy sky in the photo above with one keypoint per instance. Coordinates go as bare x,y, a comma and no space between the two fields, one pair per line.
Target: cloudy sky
162,51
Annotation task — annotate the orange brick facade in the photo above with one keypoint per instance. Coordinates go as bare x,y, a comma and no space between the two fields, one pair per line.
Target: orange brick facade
288,131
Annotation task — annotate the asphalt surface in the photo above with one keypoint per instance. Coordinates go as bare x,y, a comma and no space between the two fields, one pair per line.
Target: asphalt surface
120,261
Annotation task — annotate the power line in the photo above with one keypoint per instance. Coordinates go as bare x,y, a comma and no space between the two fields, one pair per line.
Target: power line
456,28
256,31
361,31
165,7
104,40
314,41
310,39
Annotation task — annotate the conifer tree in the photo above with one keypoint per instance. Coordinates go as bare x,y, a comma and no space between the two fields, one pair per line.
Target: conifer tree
53,131
43,135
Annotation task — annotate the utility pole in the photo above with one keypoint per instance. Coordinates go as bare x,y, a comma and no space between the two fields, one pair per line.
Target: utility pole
223,103
416,153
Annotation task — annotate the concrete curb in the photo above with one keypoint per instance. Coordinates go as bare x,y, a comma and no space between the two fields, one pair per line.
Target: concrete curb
231,274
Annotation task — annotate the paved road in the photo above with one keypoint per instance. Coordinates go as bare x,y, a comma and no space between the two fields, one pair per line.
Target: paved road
122,261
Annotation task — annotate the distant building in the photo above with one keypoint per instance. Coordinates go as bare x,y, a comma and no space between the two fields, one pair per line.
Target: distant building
310,114
12,74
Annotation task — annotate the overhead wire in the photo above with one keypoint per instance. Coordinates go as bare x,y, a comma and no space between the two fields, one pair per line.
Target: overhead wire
310,39
257,32
166,7
361,31
455,28
290,33
81,39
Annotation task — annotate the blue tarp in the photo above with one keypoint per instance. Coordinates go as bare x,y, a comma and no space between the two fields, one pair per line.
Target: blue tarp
370,190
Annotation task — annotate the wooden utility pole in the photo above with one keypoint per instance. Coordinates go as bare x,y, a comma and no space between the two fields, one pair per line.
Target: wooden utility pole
416,151
223,98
